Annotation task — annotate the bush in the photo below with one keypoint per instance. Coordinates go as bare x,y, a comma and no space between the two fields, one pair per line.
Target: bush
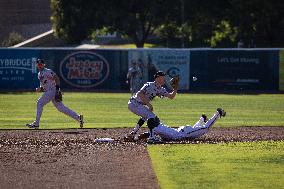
13,39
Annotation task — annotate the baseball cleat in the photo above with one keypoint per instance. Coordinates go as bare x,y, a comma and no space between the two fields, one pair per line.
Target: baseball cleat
221,112
33,126
81,120
204,117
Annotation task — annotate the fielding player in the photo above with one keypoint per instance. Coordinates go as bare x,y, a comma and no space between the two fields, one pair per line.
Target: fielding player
140,104
49,85
200,128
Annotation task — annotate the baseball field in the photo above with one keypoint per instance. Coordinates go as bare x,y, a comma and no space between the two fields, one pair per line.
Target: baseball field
243,150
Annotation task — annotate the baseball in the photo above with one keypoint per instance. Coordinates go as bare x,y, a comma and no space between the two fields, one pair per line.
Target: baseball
194,78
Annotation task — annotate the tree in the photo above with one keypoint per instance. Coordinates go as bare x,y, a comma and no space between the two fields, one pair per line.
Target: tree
197,23
259,20
74,20
203,19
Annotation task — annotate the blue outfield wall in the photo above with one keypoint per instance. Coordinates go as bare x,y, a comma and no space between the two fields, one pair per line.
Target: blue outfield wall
88,69
235,69
17,69
77,69
103,69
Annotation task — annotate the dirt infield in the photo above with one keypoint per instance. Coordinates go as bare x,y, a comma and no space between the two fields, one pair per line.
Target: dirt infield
72,158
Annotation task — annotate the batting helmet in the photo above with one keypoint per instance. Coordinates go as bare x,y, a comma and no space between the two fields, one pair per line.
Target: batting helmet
40,61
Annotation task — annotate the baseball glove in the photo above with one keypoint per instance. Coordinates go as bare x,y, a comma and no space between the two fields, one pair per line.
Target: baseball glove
175,82
58,96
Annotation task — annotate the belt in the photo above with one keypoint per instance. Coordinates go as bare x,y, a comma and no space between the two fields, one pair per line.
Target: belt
134,100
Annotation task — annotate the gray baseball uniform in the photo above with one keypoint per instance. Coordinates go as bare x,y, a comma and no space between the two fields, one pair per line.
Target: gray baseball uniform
46,78
186,132
151,90
135,76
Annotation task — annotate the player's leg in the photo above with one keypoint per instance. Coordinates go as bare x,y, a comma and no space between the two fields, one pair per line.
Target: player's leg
166,132
67,111
202,119
153,123
195,132
41,102
218,114
141,111
139,124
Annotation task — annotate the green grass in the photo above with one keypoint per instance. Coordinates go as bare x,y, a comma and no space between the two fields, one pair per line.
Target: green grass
234,165
254,165
109,110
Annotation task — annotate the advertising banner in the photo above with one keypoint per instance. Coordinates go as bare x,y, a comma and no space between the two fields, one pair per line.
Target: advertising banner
242,69
112,69
18,69
234,69
148,62
84,69
87,69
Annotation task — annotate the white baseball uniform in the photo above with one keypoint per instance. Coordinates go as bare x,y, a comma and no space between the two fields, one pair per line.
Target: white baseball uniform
48,84
186,132
151,90
135,76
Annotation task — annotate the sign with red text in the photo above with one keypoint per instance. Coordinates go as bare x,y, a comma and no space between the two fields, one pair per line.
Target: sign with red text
84,69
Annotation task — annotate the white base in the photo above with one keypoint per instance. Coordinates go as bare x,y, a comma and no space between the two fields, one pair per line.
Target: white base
104,140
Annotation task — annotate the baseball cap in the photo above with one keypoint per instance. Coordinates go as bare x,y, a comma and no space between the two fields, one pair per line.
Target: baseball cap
40,61
159,73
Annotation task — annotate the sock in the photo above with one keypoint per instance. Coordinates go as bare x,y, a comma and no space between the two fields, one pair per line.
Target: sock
136,128
139,124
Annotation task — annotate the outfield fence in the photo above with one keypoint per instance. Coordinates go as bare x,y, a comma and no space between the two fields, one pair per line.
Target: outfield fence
106,69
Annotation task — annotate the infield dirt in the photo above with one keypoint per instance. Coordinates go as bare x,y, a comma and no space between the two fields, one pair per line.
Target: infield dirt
72,159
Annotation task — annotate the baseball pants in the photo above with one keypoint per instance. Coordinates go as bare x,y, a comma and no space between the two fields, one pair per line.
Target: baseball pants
46,98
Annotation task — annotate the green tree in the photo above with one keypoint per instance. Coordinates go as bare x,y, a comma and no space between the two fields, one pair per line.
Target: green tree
259,20
203,18
201,23
13,39
75,20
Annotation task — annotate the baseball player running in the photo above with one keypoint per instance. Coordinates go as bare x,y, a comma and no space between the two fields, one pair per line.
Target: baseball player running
200,128
49,85
140,104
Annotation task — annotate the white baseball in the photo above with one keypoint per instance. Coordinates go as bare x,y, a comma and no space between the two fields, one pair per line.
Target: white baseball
194,78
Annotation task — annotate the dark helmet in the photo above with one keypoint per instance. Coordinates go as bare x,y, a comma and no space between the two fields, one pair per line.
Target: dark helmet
159,73
40,61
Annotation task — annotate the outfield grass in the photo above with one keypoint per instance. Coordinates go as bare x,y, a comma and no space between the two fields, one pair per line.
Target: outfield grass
109,110
254,165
